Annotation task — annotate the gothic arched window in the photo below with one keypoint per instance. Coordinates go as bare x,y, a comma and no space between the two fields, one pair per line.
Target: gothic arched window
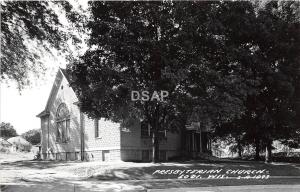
62,123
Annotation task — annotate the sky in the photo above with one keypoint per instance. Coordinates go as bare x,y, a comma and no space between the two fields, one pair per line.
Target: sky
20,108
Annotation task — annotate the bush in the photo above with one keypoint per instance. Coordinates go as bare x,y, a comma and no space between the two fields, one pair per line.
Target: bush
280,154
291,157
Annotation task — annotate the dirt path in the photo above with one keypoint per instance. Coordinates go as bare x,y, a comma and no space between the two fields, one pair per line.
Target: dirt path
32,171
25,175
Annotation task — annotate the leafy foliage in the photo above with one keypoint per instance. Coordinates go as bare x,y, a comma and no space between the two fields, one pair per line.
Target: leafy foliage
7,130
33,136
271,112
28,30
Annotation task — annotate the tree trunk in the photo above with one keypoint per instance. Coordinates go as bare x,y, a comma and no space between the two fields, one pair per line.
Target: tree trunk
240,154
297,94
257,148
268,152
239,147
155,146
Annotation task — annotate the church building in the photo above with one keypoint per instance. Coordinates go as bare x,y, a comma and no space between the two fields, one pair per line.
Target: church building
68,134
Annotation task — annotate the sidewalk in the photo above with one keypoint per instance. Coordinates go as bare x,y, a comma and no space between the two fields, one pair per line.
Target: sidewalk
121,187
82,186
256,188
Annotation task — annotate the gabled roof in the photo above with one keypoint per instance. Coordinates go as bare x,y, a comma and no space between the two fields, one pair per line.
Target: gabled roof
43,113
67,76
59,76
18,141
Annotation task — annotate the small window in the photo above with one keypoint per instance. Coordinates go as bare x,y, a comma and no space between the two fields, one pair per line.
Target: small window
162,134
162,155
146,155
96,123
145,129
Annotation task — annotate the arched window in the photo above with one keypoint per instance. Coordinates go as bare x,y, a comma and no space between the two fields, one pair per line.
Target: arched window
62,123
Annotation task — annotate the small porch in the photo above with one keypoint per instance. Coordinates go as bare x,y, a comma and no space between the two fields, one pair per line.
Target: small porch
198,141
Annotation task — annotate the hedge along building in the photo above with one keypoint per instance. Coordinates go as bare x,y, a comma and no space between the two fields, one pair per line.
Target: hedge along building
68,134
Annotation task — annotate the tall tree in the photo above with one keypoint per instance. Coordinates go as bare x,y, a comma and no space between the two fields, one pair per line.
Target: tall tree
7,130
178,47
279,43
271,60
33,136
28,30
283,77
